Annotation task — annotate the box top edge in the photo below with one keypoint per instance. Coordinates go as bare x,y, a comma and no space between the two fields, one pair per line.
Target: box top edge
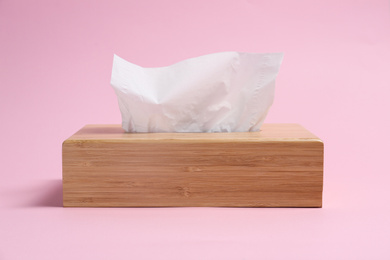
268,133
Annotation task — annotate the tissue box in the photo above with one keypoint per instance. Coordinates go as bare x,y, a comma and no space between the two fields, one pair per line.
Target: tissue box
280,166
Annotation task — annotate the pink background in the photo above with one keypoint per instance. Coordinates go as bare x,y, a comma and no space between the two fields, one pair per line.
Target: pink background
55,68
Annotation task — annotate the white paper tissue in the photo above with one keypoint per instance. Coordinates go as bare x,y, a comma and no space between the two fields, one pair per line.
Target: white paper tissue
221,92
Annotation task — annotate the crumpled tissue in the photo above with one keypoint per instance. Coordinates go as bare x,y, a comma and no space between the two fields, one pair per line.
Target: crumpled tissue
220,92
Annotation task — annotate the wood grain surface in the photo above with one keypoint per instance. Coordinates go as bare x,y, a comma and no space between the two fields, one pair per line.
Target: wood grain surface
280,166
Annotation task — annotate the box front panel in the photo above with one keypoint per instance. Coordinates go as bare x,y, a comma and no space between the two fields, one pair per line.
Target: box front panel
232,174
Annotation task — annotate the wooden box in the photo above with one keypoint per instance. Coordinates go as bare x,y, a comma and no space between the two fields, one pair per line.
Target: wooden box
280,166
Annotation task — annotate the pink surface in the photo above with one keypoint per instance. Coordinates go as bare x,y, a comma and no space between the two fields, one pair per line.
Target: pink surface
55,66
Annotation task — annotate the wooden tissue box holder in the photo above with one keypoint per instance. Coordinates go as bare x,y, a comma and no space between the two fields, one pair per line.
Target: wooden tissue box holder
280,166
